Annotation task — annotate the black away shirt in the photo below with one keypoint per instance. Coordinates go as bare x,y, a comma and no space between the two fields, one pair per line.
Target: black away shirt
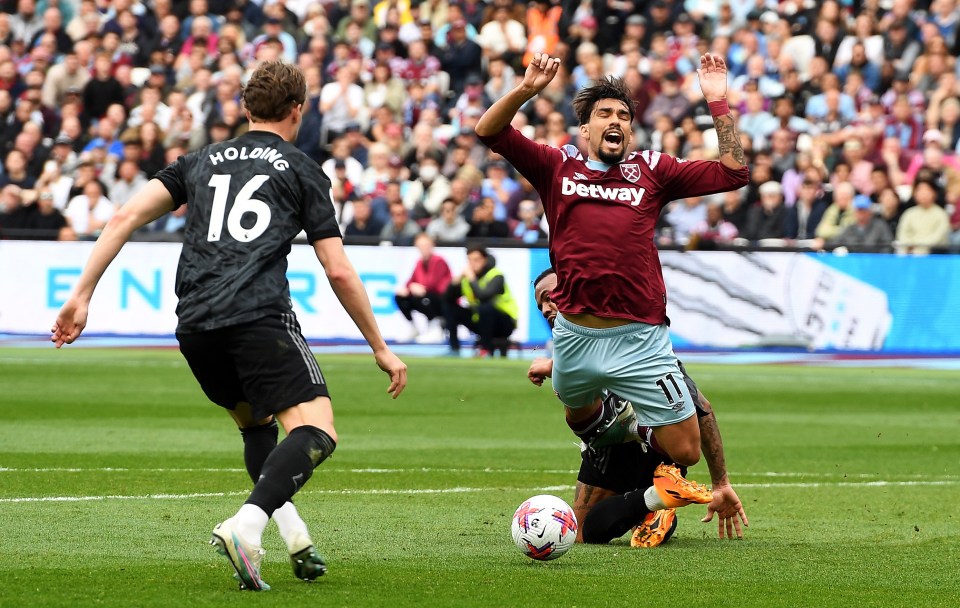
248,197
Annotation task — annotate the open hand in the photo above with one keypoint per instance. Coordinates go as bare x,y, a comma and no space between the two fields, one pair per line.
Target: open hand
726,504
713,77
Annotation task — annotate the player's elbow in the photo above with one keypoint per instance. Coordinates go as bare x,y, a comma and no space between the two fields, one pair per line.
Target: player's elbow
124,220
339,274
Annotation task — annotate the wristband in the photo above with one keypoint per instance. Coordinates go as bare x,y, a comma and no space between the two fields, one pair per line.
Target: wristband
718,108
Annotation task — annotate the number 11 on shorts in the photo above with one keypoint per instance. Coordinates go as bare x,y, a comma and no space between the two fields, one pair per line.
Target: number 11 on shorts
672,396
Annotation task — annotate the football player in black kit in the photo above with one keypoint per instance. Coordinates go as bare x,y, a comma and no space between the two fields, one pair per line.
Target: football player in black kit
606,496
248,198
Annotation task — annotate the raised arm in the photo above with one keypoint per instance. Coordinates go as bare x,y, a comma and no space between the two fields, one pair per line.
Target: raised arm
713,84
349,290
539,73
147,205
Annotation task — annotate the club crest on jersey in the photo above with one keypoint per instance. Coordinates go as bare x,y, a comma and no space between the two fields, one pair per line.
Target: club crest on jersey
630,171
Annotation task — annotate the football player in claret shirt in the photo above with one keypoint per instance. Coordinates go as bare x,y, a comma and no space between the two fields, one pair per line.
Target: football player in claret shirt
248,198
611,332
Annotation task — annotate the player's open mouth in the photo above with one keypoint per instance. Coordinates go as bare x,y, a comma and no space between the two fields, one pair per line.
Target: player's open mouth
613,137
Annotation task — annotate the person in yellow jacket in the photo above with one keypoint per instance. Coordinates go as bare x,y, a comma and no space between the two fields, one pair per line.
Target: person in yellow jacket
491,312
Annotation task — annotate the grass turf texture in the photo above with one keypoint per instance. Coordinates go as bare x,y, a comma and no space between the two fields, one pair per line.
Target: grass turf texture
414,507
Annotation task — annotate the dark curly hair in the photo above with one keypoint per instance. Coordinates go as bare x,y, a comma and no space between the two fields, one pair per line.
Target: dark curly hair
273,90
608,87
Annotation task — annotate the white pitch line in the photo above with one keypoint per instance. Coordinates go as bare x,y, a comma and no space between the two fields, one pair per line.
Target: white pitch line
387,471
850,484
459,490
347,492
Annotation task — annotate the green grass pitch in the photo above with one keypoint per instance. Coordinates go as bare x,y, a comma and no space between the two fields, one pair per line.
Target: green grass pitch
850,479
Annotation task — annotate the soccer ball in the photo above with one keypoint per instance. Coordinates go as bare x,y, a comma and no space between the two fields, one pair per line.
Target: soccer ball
544,527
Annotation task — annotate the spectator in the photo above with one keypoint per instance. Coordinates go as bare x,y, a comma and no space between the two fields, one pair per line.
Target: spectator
89,212
106,139
684,215
891,208
26,22
460,57
783,151
861,169
528,227
868,233
925,225
801,220
13,215
129,180
15,171
503,37
425,194
669,102
424,291
483,225
385,89
362,222
341,103
64,77
44,220
713,230
499,187
757,72
904,125
450,228
899,47
766,221
102,90
756,122
839,214
401,230
491,312
273,30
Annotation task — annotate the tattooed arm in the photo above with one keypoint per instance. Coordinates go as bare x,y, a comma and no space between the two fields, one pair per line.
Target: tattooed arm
731,150
726,504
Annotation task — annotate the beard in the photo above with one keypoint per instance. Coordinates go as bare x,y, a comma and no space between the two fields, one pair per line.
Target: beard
611,158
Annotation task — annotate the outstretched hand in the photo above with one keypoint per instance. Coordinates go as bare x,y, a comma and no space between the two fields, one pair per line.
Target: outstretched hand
726,504
713,77
395,368
70,322
541,71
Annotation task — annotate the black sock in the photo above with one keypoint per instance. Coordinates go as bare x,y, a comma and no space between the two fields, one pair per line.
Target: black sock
289,467
612,517
258,442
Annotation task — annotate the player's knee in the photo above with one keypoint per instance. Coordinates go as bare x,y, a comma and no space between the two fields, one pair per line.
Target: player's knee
685,454
318,444
331,433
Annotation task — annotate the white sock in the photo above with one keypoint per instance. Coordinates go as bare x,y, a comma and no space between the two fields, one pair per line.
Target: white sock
653,500
291,525
250,521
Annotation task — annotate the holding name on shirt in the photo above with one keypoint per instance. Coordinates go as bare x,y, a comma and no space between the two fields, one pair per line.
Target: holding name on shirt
270,155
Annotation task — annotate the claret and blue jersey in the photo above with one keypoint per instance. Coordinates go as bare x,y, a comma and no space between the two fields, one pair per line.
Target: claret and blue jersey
602,220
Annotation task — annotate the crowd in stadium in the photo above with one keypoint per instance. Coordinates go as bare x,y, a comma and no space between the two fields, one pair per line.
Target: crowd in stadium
849,111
